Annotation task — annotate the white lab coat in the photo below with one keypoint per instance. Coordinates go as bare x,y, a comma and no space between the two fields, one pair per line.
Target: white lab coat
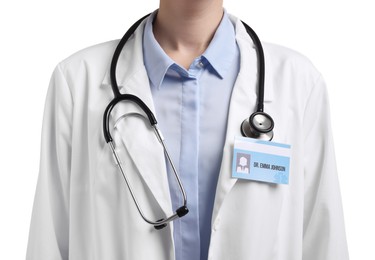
82,207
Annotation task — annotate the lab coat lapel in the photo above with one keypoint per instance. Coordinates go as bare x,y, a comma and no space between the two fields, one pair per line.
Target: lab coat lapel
135,133
243,103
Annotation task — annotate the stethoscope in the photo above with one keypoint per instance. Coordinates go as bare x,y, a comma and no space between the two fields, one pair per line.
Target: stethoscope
259,125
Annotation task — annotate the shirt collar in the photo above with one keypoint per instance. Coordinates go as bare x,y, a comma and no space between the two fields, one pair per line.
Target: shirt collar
219,54
156,60
221,51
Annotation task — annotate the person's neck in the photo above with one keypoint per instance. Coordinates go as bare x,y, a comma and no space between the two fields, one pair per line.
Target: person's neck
184,28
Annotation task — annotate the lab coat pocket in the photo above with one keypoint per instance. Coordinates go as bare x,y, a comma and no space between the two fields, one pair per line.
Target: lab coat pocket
251,216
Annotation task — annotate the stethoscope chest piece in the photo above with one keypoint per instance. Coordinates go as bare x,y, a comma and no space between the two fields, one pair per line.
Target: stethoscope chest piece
259,125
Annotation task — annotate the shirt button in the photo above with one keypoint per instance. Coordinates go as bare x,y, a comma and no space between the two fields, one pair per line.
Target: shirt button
200,64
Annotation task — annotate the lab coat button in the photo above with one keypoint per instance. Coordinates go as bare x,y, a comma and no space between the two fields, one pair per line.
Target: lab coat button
216,224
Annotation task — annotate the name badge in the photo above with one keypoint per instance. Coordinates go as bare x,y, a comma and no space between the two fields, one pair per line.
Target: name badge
259,160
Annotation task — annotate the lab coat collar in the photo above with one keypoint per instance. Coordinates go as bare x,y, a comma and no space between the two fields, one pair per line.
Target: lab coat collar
247,45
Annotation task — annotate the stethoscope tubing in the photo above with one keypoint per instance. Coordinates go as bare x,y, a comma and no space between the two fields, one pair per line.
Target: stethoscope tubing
117,53
118,97
261,65
114,102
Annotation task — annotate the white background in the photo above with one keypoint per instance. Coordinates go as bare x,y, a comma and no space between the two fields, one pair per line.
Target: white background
337,35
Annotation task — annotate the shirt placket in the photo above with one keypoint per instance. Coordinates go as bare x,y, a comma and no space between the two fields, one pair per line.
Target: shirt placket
190,233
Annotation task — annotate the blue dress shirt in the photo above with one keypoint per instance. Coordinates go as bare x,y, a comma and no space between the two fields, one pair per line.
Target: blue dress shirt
191,109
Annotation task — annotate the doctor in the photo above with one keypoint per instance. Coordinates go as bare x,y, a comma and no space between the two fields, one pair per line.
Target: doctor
195,67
